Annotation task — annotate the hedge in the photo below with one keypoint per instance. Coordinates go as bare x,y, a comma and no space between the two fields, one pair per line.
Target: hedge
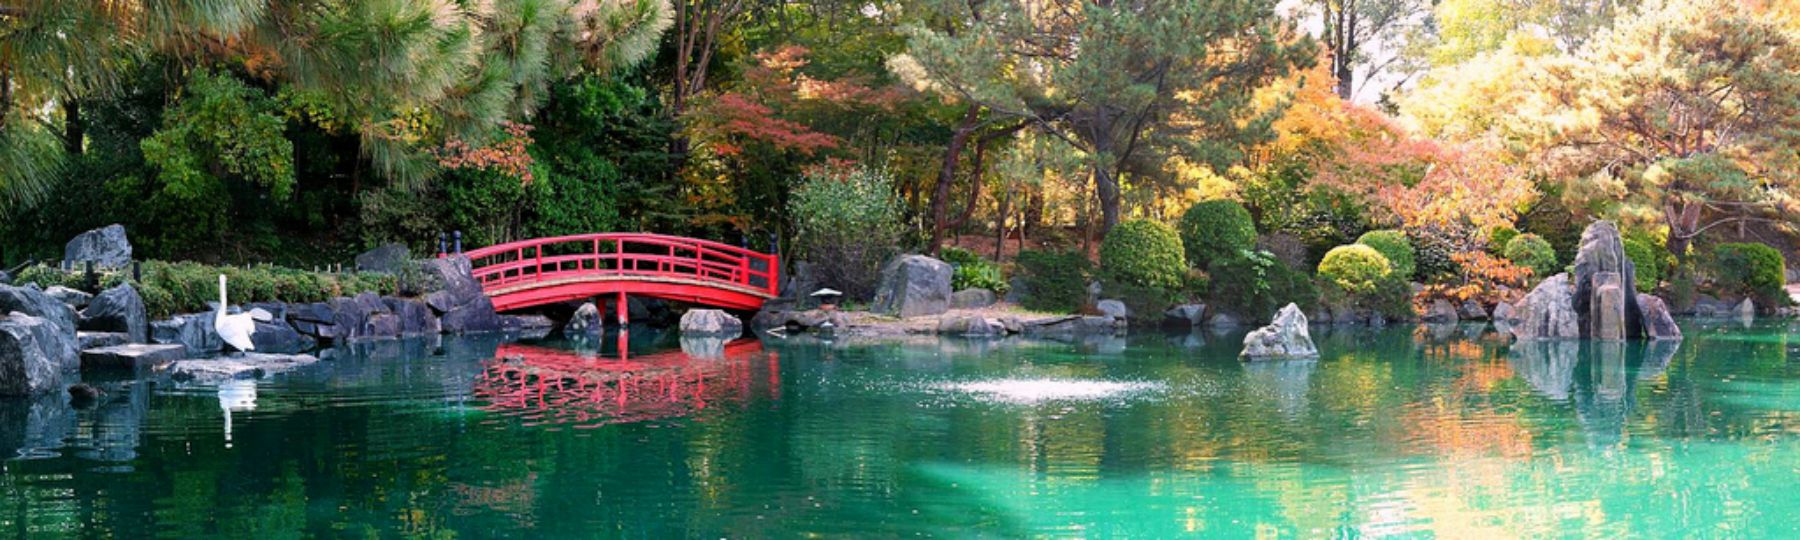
1053,281
1355,269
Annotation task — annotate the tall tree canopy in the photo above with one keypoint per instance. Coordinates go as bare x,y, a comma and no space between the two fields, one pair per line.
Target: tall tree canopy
1126,83
1689,114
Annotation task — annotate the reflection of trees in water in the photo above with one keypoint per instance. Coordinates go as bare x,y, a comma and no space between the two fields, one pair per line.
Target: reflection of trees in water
556,386
1599,378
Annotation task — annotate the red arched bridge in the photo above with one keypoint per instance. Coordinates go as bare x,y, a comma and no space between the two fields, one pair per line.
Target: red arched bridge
542,271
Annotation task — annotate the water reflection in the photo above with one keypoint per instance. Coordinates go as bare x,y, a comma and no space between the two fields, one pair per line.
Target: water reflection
552,386
1598,378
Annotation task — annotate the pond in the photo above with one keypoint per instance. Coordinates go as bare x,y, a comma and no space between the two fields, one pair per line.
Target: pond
1402,432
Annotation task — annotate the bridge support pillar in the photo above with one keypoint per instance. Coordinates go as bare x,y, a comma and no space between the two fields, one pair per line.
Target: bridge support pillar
623,310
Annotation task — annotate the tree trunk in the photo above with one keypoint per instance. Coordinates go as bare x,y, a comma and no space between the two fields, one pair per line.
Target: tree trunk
1106,187
940,194
1000,225
1683,218
73,131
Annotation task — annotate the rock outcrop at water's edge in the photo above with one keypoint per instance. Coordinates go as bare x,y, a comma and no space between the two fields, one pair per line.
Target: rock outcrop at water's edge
710,323
36,356
1286,338
1547,312
1605,303
1598,301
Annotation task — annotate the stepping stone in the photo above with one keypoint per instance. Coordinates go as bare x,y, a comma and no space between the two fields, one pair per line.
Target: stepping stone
243,366
131,356
85,340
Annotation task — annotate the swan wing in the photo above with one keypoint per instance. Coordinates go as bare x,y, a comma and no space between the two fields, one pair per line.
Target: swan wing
236,331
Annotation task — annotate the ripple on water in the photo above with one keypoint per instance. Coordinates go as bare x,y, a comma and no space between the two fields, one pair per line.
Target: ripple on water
1030,391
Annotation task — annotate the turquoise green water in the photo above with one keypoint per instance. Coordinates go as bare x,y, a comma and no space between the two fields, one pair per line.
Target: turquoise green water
1393,433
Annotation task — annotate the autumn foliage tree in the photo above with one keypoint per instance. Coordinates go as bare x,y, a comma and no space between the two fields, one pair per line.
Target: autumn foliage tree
1689,114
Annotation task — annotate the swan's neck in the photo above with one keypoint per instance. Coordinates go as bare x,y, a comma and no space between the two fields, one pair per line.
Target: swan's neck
221,312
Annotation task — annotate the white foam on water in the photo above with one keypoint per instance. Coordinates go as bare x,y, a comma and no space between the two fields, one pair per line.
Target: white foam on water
1027,391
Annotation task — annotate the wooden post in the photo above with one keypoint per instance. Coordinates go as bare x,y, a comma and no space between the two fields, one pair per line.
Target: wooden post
624,313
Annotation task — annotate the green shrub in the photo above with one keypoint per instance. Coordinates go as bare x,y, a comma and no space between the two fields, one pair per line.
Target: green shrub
186,287
1530,251
1255,284
958,256
1751,270
1498,237
1144,253
1396,247
1216,229
1649,269
847,222
972,271
1053,281
1355,269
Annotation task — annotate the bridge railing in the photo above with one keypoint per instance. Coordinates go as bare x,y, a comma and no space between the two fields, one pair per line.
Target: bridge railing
626,255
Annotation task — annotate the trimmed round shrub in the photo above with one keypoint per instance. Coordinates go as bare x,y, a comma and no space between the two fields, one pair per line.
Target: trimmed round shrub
1216,229
1499,236
1356,269
1531,251
1643,257
1144,253
1396,247
1752,270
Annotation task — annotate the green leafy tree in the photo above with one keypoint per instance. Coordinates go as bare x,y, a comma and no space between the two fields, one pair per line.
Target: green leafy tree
1172,78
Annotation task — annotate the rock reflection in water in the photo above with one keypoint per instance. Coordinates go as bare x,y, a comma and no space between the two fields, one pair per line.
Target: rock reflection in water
558,386
1599,378
1288,381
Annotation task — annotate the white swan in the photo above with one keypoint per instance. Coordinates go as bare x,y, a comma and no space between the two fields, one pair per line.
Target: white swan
234,329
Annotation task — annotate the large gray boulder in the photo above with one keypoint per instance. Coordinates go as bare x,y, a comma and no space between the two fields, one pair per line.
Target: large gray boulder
1440,311
387,259
416,318
1605,305
73,297
118,309
1185,315
34,357
1658,323
913,286
586,319
1547,312
710,323
460,304
105,246
277,336
970,325
1113,308
193,331
1286,338
31,301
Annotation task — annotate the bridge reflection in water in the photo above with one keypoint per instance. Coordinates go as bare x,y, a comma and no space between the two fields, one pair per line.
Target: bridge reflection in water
550,386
